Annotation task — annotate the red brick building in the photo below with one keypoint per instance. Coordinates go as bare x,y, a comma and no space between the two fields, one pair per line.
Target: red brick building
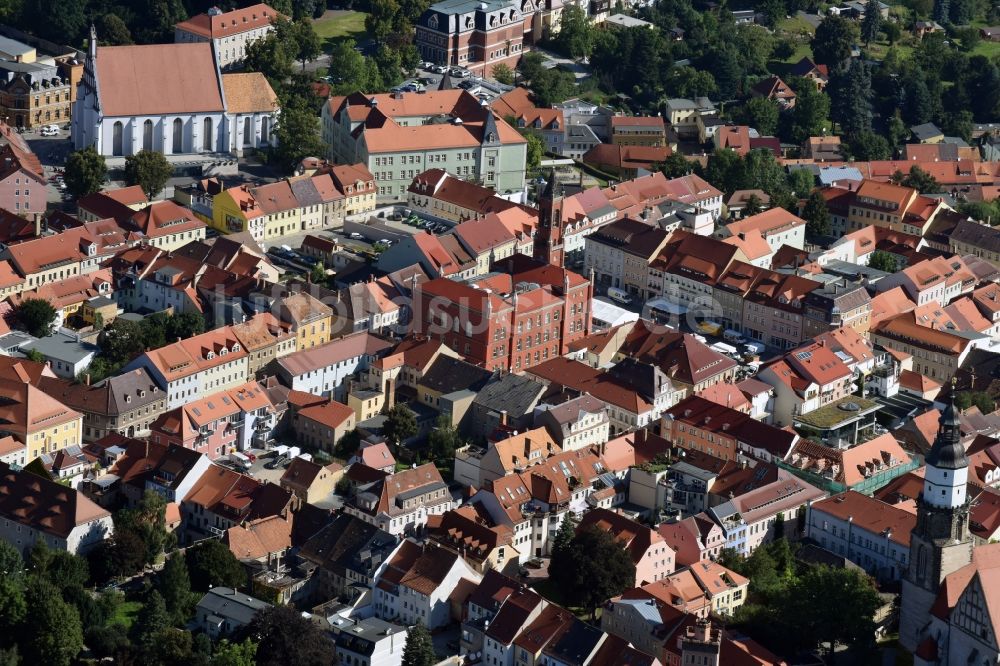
510,321
475,34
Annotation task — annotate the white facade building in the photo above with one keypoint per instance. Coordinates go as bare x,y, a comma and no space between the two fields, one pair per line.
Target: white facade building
169,98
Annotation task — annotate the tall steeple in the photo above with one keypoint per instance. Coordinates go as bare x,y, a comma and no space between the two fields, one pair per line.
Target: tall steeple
947,471
549,237
940,542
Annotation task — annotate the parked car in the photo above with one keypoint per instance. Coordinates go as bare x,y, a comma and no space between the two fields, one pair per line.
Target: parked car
385,241
356,236
48,131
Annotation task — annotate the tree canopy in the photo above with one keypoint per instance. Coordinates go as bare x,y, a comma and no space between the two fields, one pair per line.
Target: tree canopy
283,636
37,316
85,172
211,564
400,425
592,568
148,169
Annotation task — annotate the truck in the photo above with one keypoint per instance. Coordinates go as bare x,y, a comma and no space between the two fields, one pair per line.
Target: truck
710,327
294,452
723,348
280,450
754,348
735,337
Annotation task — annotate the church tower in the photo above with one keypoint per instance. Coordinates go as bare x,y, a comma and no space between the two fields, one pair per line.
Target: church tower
940,543
549,237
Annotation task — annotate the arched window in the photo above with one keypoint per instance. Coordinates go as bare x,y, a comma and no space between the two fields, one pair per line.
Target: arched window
178,146
116,139
247,127
265,130
147,135
206,140
921,563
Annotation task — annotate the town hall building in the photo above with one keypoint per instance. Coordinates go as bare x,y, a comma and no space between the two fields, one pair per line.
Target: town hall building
169,98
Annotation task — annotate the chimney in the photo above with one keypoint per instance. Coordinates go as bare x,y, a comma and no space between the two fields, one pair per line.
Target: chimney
86,379
38,224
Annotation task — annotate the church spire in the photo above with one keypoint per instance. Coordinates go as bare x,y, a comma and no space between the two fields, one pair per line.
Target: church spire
947,451
947,465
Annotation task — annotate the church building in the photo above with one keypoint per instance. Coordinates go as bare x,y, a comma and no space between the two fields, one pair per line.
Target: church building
172,99
950,610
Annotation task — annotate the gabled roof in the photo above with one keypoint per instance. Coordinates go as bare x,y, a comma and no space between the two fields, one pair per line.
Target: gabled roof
44,505
226,24
134,82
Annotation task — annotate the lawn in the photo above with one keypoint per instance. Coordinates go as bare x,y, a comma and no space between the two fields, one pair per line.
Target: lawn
126,613
336,25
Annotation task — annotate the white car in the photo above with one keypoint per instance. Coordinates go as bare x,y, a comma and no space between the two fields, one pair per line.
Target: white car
357,236
385,241
48,131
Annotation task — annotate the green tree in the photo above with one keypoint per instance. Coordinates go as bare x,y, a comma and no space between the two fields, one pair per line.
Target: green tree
564,536
883,261
174,585
152,619
503,74
726,171
283,636
872,22
211,564
381,20
851,96
37,316
85,172
676,165
761,114
113,31
184,325
307,43
829,606
683,81
108,642
592,569
576,33
51,631
147,521
59,568
347,444
235,654
348,65
419,650
817,215
149,170
809,115
551,86
318,273
831,45
400,425
980,399
443,440
13,604
271,57
535,151
868,145
753,206
298,137
921,181
532,64
62,21
801,182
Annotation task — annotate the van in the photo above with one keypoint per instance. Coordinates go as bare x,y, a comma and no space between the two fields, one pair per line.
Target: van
729,335
723,348
620,295
240,460
754,348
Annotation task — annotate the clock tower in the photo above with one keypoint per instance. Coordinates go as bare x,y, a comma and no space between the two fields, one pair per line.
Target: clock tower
940,543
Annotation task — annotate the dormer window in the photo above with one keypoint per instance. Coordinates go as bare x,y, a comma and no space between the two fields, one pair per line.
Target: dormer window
210,356
223,351
236,347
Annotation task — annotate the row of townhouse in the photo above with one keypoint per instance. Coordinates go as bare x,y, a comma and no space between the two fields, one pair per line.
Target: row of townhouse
320,200
215,360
